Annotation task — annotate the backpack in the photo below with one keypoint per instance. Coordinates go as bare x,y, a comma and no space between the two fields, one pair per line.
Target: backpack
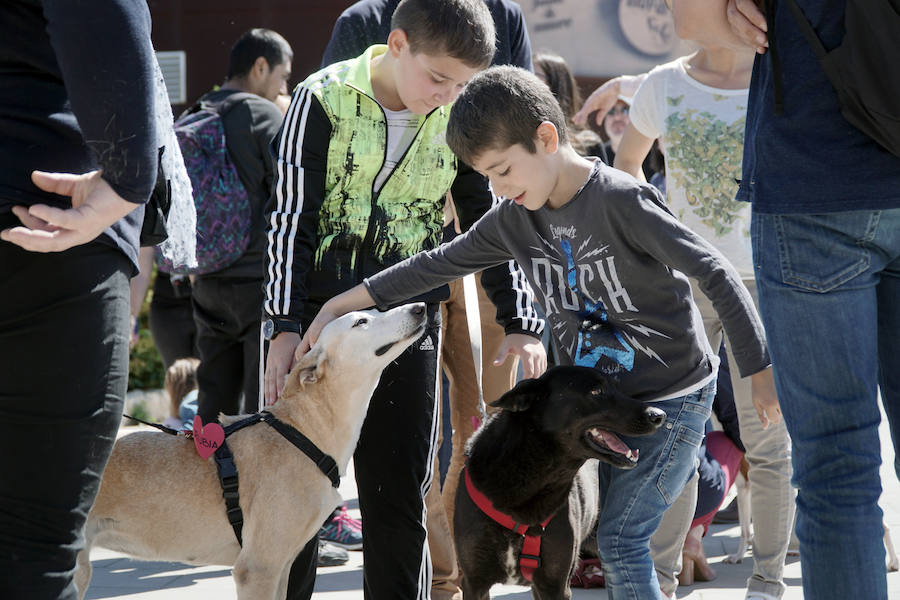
222,202
863,69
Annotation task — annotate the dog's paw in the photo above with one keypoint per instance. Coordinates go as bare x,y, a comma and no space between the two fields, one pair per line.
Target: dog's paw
733,559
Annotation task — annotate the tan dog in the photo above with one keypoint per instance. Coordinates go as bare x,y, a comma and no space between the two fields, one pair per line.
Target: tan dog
160,501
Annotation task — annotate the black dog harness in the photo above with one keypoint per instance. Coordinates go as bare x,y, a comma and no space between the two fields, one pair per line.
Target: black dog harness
228,474
227,470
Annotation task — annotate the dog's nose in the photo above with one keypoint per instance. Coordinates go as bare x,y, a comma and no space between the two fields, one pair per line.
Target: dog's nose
418,308
655,416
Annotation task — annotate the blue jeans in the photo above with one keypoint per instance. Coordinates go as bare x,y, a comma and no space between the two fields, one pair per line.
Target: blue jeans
829,295
633,502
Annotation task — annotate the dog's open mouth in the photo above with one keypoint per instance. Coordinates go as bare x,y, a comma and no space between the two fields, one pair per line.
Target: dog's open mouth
606,442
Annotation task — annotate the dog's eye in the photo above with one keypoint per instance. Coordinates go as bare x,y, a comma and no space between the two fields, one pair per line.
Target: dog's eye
359,322
596,392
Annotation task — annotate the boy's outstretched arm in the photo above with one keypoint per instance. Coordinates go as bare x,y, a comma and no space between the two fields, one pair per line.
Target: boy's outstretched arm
356,298
633,149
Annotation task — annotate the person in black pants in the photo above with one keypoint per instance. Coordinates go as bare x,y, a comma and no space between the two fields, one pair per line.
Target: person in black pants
228,303
69,246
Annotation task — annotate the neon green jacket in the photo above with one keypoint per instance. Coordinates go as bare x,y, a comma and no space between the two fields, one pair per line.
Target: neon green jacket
328,230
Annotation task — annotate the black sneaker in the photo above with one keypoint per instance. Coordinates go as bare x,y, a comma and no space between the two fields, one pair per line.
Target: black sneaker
727,515
331,555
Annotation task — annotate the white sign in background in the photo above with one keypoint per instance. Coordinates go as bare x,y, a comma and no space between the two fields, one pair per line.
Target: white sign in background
604,38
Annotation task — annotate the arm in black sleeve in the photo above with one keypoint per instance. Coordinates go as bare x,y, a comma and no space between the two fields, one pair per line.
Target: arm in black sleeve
504,284
301,150
520,44
106,60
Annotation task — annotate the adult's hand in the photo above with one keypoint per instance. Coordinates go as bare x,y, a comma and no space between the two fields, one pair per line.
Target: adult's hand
95,206
605,97
748,23
279,363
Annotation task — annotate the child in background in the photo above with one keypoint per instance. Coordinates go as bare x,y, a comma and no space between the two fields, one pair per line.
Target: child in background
698,104
610,266
180,382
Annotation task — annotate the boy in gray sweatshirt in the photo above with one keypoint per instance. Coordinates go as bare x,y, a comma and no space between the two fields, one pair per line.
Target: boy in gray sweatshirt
610,265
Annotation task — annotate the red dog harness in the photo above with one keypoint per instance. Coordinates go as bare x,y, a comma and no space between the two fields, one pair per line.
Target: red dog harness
530,557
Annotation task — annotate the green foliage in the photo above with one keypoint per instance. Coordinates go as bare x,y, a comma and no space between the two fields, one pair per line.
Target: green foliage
145,368
139,411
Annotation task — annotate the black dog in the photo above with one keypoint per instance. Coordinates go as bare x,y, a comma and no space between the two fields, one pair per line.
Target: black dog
532,462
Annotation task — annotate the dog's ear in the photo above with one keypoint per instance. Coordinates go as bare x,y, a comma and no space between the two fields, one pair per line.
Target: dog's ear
310,369
520,397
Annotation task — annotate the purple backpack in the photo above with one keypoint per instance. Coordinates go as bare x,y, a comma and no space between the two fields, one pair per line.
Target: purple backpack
223,206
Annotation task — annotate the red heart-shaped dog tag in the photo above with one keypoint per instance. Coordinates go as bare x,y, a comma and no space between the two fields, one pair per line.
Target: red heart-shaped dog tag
207,438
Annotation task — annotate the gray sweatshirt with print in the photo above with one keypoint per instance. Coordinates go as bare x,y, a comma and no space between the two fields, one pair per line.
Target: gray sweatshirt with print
610,269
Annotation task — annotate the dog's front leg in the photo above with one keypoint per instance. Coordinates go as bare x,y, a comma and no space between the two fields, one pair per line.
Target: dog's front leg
551,591
83,572
256,579
744,512
893,563
472,590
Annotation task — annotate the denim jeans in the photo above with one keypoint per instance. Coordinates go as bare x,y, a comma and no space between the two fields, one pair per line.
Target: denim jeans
829,295
769,456
633,501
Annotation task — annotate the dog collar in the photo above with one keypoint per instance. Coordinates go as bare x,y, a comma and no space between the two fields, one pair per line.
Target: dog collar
530,555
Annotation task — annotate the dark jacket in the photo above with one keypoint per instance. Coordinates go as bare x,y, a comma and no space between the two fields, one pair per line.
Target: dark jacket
70,106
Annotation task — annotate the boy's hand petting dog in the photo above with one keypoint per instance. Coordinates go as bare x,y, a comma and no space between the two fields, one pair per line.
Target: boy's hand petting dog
527,348
279,362
356,298
765,400
325,316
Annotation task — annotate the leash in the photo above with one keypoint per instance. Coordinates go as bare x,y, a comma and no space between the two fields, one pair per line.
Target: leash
473,320
160,426
530,555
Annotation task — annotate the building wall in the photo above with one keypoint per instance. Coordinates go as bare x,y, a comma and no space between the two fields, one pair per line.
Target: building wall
206,29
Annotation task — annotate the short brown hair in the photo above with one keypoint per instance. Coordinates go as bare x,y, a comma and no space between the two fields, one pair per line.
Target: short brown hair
499,108
462,29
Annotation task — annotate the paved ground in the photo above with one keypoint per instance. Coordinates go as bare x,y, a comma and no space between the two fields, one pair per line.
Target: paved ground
116,576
